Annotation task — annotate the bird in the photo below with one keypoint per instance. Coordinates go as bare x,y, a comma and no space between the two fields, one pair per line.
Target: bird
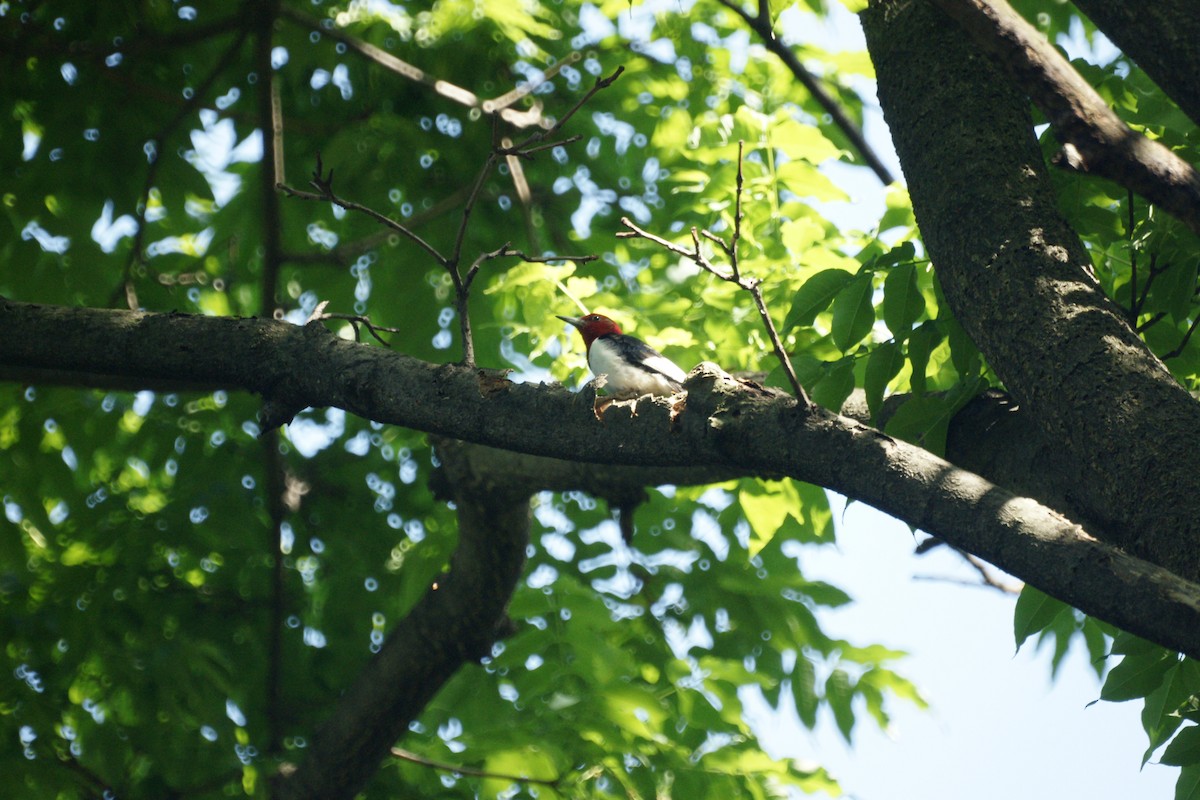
631,367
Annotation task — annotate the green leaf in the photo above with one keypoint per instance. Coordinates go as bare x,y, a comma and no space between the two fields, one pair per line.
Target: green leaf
1126,644
840,695
1188,785
767,505
883,364
804,690
799,235
837,384
825,594
922,421
1161,714
853,312
802,142
1184,749
903,302
815,296
1172,290
1137,676
921,342
963,352
1034,612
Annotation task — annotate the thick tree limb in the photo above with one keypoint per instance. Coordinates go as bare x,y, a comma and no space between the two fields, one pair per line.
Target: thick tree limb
726,424
1094,138
1015,276
455,622
1161,37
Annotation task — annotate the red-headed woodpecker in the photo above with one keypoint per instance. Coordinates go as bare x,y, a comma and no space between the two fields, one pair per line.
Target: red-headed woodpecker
631,367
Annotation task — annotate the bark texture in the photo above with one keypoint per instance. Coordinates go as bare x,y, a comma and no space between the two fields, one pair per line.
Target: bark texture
1094,138
1017,278
726,425
1161,37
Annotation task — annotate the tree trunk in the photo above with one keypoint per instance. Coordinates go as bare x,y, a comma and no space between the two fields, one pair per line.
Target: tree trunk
1018,279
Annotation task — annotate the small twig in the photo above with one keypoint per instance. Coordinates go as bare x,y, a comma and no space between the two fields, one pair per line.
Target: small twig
468,209
318,315
344,253
737,219
1150,323
550,259
538,136
1139,301
1182,344
408,755
198,96
734,276
968,583
988,578
452,263
529,151
324,186
495,106
981,567
761,25
372,328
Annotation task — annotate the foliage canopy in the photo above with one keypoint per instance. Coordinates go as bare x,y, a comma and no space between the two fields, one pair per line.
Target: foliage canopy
185,596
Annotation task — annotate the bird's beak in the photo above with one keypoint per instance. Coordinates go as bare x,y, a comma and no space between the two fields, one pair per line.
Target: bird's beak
576,321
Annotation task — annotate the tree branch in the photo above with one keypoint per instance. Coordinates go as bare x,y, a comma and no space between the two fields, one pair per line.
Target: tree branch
455,622
734,276
1095,139
1016,277
407,755
498,105
1161,37
725,424
761,25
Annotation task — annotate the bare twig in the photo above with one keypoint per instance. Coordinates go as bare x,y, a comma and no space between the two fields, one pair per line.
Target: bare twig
155,153
1137,300
761,25
539,136
988,579
500,105
408,755
734,276
324,186
1133,259
550,259
1183,343
270,122
356,320
344,253
501,149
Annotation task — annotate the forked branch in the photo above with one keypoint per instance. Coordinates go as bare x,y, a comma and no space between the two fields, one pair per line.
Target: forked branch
453,261
752,285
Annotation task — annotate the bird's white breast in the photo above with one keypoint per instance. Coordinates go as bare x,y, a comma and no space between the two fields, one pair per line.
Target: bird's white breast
628,379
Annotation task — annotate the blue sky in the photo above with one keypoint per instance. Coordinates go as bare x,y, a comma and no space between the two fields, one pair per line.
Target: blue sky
997,726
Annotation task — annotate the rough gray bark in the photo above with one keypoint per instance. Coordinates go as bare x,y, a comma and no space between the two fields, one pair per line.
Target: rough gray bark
726,424
1016,276
1161,37
1095,140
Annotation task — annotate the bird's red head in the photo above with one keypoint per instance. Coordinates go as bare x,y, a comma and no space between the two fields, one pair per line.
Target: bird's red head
592,326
